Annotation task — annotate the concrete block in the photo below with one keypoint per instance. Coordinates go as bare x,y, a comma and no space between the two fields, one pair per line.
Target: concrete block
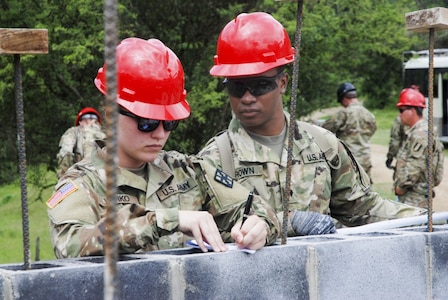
438,265
423,20
276,271
390,264
375,266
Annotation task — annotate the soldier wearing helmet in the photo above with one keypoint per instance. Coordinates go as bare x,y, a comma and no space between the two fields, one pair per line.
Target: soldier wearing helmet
253,51
411,172
163,197
354,125
78,141
397,137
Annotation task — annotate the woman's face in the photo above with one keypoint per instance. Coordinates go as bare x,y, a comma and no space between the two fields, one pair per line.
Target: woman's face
136,147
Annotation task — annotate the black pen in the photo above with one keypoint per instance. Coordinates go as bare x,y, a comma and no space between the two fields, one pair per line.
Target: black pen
247,208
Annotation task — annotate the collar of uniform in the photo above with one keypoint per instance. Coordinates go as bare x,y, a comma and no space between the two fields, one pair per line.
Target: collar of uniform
159,172
251,151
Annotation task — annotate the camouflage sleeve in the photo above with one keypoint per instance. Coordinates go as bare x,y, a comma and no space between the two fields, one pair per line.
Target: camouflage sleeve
396,138
67,142
227,198
92,133
65,155
77,222
353,203
371,125
335,122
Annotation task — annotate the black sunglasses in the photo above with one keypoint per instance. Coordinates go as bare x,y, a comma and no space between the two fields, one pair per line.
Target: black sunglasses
257,86
148,125
402,109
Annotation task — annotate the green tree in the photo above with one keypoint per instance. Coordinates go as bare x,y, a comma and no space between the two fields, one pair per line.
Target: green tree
341,41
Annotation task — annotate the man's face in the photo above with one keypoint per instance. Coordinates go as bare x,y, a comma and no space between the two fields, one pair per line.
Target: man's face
257,100
88,122
406,114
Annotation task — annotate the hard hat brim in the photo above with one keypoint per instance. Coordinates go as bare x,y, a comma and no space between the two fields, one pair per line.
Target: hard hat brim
246,69
177,111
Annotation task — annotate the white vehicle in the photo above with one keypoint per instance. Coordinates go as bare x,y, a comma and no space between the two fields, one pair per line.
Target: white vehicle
415,72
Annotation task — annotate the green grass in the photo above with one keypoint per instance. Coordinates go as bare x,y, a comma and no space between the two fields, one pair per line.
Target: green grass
11,228
384,119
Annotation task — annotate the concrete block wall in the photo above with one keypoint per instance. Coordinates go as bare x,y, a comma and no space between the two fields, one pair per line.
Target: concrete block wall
392,264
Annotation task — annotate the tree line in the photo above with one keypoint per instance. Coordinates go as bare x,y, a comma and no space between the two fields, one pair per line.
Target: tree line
341,40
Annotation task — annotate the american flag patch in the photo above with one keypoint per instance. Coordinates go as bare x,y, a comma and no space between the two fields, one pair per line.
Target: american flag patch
60,195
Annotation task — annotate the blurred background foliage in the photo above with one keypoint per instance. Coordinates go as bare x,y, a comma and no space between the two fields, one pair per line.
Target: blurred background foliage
341,41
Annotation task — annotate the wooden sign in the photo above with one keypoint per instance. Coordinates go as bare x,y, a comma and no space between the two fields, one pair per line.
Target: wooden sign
423,20
23,41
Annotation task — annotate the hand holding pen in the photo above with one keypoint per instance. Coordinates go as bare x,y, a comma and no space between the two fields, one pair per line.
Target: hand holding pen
255,231
247,208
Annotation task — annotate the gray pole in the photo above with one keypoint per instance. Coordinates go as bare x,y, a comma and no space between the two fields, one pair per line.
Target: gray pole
22,160
292,121
111,247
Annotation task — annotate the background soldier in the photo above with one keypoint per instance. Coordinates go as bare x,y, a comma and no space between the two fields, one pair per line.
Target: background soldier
397,136
78,141
411,173
354,125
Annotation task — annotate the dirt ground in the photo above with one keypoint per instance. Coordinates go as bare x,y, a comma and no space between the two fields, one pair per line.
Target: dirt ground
381,174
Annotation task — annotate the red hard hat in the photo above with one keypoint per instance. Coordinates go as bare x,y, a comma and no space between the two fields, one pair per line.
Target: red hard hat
87,110
150,80
411,97
251,44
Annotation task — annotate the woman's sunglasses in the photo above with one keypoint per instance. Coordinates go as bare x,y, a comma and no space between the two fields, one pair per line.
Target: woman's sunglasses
148,125
257,86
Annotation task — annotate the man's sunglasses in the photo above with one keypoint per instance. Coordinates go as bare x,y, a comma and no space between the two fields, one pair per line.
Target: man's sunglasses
257,86
404,108
148,125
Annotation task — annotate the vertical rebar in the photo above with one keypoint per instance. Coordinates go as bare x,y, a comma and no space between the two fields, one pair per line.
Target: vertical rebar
22,160
430,125
111,241
292,121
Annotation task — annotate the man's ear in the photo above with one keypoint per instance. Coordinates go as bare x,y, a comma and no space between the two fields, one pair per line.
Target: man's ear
284,83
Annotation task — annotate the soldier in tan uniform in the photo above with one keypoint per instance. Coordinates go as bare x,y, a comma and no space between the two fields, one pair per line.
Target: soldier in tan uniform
163,197
411,173
354,125
78,141
326,180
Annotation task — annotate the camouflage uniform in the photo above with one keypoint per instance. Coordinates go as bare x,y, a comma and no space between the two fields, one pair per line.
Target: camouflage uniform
339,187
75,143
147,204
397,136
411,172
354,125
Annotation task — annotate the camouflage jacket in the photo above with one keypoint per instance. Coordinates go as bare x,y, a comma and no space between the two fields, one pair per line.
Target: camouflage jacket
397,136
147,205
75,143
339,188
354,125
411,172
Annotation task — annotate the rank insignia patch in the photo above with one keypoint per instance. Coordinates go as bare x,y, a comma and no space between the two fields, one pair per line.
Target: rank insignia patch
60,195
223,178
